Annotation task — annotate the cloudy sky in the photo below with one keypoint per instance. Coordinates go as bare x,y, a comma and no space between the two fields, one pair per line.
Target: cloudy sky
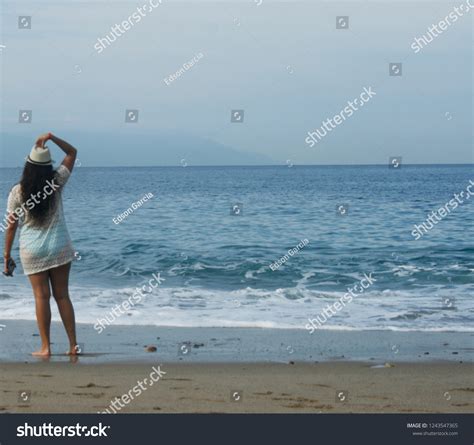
285,64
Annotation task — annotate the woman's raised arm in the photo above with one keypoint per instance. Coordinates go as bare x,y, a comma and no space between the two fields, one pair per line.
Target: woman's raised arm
70,151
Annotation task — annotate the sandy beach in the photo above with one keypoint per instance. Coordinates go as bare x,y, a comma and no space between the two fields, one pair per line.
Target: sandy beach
237,370
239,388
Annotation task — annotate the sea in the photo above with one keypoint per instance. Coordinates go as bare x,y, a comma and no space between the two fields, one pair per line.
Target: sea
212,233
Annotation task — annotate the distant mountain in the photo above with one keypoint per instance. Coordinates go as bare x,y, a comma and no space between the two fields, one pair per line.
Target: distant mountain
134,149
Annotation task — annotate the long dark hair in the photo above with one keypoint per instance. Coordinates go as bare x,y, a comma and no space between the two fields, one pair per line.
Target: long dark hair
33,181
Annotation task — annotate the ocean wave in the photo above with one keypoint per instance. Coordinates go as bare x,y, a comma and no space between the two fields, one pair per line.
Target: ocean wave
284,308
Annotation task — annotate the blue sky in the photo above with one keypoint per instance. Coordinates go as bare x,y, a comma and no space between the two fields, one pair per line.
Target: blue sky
284,63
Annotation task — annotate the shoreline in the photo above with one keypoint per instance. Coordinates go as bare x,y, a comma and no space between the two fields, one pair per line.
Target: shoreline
128,344
270,370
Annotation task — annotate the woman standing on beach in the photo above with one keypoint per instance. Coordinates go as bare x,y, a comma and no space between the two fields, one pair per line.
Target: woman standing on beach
46,252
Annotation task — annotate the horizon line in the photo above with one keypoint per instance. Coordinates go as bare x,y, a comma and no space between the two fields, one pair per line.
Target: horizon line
261,165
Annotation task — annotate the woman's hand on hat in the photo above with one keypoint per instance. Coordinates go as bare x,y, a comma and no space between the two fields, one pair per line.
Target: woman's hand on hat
42,139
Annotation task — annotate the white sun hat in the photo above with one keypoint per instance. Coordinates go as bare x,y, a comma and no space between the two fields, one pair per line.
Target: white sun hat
40,156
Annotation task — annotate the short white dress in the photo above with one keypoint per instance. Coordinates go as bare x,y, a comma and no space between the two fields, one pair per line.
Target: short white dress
50,245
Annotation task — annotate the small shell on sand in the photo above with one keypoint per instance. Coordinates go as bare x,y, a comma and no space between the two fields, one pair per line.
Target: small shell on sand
385,365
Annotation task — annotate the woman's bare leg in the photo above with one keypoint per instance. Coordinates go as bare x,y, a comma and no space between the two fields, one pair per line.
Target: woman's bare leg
59,277
40,285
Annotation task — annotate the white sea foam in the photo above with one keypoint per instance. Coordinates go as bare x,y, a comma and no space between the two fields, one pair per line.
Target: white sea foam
284,308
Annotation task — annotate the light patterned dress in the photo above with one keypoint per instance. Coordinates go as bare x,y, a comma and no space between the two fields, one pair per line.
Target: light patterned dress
48,246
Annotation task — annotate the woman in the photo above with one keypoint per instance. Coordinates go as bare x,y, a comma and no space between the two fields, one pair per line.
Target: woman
46,251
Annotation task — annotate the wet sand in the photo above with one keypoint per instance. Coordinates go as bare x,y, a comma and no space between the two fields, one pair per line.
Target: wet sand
119,343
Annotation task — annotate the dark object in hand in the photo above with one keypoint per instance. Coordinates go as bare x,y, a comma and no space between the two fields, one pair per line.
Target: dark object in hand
10,268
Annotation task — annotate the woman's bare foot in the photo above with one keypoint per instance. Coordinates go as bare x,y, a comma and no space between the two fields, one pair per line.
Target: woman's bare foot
45,351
